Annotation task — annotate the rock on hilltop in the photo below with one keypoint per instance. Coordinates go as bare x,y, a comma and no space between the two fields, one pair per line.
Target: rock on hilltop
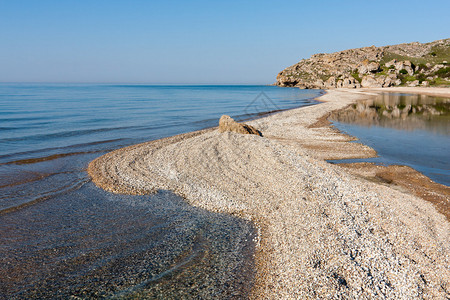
409,64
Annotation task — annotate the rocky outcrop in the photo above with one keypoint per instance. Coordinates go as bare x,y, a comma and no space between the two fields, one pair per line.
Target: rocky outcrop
371,67
226,123
368,67
349,83
370,82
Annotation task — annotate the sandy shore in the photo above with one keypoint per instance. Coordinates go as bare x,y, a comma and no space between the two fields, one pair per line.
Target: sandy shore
325,232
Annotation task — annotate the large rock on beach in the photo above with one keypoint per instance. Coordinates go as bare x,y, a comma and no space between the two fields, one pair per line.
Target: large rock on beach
370,82
226,123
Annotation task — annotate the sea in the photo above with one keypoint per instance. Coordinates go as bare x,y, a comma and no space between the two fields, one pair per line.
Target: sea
62,237
404,129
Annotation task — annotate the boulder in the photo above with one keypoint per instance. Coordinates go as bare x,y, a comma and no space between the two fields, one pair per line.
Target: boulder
319,83
367,67
414,83
226,123
425,83
394,80
390,63
350,83
330,83
370,82
405,65
388,81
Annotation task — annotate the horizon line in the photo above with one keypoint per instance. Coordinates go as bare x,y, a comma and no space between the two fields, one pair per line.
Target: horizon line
126,83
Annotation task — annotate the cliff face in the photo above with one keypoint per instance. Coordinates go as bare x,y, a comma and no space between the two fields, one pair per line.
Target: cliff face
404,64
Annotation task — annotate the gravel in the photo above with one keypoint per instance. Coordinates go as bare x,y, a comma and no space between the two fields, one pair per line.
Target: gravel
323,232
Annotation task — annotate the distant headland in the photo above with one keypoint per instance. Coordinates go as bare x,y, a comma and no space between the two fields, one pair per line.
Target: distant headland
411,64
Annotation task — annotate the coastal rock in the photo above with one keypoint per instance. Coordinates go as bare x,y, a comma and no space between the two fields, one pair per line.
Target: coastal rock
226,123
370,82
330,70
368,67
390,63
330,83
405,65
414,83
350,83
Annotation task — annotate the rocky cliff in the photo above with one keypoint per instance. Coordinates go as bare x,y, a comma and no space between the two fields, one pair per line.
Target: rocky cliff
409,64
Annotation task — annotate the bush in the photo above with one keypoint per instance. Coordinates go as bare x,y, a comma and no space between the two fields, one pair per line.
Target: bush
403,71
423,67
444,72
421,77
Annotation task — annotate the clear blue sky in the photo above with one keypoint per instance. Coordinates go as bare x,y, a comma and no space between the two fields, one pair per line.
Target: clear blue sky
196,41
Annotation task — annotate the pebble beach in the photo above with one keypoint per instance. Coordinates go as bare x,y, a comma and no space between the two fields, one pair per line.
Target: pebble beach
323,231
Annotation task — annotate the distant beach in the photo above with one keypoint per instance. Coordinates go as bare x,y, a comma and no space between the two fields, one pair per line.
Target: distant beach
323,230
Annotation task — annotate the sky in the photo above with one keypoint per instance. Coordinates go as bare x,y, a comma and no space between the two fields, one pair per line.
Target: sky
196,42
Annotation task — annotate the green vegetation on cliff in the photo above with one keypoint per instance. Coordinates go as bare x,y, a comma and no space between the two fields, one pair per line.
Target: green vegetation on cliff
409,64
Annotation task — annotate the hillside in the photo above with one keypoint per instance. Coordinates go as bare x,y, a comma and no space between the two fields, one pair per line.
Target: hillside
411,64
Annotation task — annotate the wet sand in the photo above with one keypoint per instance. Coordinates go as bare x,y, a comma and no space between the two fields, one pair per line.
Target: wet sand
324,231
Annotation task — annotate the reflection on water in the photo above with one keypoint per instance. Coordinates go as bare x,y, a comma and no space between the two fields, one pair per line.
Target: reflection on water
404,112
409,130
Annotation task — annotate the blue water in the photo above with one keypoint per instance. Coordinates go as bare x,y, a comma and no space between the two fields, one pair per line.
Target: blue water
419,138
38,120
60,235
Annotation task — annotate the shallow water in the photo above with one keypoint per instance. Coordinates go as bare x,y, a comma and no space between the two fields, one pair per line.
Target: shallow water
60,235
412,130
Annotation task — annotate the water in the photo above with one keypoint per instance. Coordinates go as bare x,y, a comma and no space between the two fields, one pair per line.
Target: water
412,130
61,236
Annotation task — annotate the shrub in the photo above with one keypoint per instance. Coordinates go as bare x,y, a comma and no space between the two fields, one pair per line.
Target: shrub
356,76
403,71
421,77
444,72
423,67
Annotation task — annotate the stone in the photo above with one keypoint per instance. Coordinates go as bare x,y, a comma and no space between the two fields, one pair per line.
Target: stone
370,82
425,83
388,81
414,83
330,83
405,65
390,63
319,83
368,67
226,123
350,83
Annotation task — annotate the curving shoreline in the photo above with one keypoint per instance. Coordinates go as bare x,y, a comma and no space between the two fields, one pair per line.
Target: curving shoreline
324,232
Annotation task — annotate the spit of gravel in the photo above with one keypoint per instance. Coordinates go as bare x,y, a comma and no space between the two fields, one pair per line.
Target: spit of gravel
324,233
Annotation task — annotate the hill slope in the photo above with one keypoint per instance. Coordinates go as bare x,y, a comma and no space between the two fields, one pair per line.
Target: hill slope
409,64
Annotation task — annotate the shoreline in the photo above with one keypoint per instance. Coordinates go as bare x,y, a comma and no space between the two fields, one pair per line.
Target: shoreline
323,231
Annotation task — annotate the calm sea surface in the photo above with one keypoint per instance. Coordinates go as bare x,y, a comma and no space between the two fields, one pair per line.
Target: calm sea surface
412,130
61,236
